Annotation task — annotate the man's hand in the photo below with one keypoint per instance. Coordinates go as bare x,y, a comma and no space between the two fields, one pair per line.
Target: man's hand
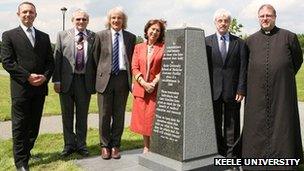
57,87
36,79
239,97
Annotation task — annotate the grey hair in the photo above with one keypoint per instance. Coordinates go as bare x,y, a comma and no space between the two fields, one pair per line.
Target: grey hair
268,6
120,10
220,13
80,11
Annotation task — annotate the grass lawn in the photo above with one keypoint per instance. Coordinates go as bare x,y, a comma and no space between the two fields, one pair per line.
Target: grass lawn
300,83
51,106
51,159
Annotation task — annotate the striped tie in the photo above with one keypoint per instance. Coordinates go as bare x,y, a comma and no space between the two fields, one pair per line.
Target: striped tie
223,48
115,60
31,36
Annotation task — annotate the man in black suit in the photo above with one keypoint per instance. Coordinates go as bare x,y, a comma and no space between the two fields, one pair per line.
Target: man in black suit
113,52
74,80
227,58
27,56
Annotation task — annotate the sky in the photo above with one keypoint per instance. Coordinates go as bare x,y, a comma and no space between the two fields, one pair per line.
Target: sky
177,13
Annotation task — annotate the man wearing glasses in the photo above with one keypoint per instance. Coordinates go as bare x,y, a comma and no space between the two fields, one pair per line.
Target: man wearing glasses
74,80
271,121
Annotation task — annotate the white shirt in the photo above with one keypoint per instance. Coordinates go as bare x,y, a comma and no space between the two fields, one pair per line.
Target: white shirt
122,51
226,40
85,43
24,28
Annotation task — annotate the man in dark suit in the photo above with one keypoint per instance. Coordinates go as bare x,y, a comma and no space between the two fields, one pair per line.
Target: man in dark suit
74,80
27,56
113,52
227,59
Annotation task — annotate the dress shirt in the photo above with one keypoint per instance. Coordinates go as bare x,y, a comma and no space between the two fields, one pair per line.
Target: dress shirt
24,28
85,43
226,40
122,52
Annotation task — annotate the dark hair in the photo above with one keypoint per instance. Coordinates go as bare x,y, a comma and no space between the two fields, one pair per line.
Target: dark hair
25,2
162,24
268,6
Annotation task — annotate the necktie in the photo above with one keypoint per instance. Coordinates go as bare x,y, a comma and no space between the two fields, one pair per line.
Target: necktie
223,48
115,60
80,53
31,36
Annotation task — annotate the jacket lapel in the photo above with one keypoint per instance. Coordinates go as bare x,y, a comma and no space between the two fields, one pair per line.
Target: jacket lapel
90,41
155,52
71,44
232,44
109,40
21,33
217,53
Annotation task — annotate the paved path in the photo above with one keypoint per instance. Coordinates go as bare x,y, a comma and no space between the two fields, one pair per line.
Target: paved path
53,124
129,159
3,72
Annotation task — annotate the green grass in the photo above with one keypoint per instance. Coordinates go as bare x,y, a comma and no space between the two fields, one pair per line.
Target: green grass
300,83
5,100
51,106
49,146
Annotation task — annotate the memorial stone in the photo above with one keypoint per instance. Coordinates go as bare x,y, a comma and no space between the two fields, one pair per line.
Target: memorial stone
183,135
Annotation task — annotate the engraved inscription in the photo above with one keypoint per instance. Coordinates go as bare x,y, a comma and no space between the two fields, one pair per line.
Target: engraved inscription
171,71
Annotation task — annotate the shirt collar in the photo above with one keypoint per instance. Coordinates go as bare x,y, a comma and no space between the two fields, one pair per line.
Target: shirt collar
113,32
271,32
225,35
24,28
84,32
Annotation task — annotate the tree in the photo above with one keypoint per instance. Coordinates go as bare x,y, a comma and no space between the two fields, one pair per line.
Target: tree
235,27
139,39
301,40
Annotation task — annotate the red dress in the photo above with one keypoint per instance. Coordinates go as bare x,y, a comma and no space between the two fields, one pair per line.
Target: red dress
144,104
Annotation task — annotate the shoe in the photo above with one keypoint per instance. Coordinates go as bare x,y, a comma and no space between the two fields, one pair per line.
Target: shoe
66,152
105,153
23,168
115,153
146,150
83,152
35,158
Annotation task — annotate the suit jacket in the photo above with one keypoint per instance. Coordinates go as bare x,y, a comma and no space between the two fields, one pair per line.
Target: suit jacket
228,77
64,55
103,57
139,64
20,59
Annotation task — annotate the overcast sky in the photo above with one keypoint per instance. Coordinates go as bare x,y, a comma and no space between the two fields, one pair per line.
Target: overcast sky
195,13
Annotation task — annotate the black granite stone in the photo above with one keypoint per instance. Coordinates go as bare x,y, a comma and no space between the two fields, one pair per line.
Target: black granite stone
183,131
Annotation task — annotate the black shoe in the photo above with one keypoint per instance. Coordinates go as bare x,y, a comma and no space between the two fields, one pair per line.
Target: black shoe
66,152
35,158
83,152
23,168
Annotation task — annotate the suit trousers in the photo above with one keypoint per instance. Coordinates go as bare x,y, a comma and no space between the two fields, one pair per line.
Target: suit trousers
227,126
77,98
26,116
112,104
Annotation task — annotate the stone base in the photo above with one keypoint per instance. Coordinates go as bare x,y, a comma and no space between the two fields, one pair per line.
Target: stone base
158,162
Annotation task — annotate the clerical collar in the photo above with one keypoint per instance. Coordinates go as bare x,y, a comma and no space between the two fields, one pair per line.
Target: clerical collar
270,32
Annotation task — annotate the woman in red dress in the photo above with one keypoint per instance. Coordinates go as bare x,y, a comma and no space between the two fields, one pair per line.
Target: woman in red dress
146,66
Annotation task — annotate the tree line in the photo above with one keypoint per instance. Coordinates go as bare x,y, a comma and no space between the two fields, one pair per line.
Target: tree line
235,28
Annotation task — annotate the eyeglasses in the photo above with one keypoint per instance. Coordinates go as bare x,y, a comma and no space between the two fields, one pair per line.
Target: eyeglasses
266,16
78,19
